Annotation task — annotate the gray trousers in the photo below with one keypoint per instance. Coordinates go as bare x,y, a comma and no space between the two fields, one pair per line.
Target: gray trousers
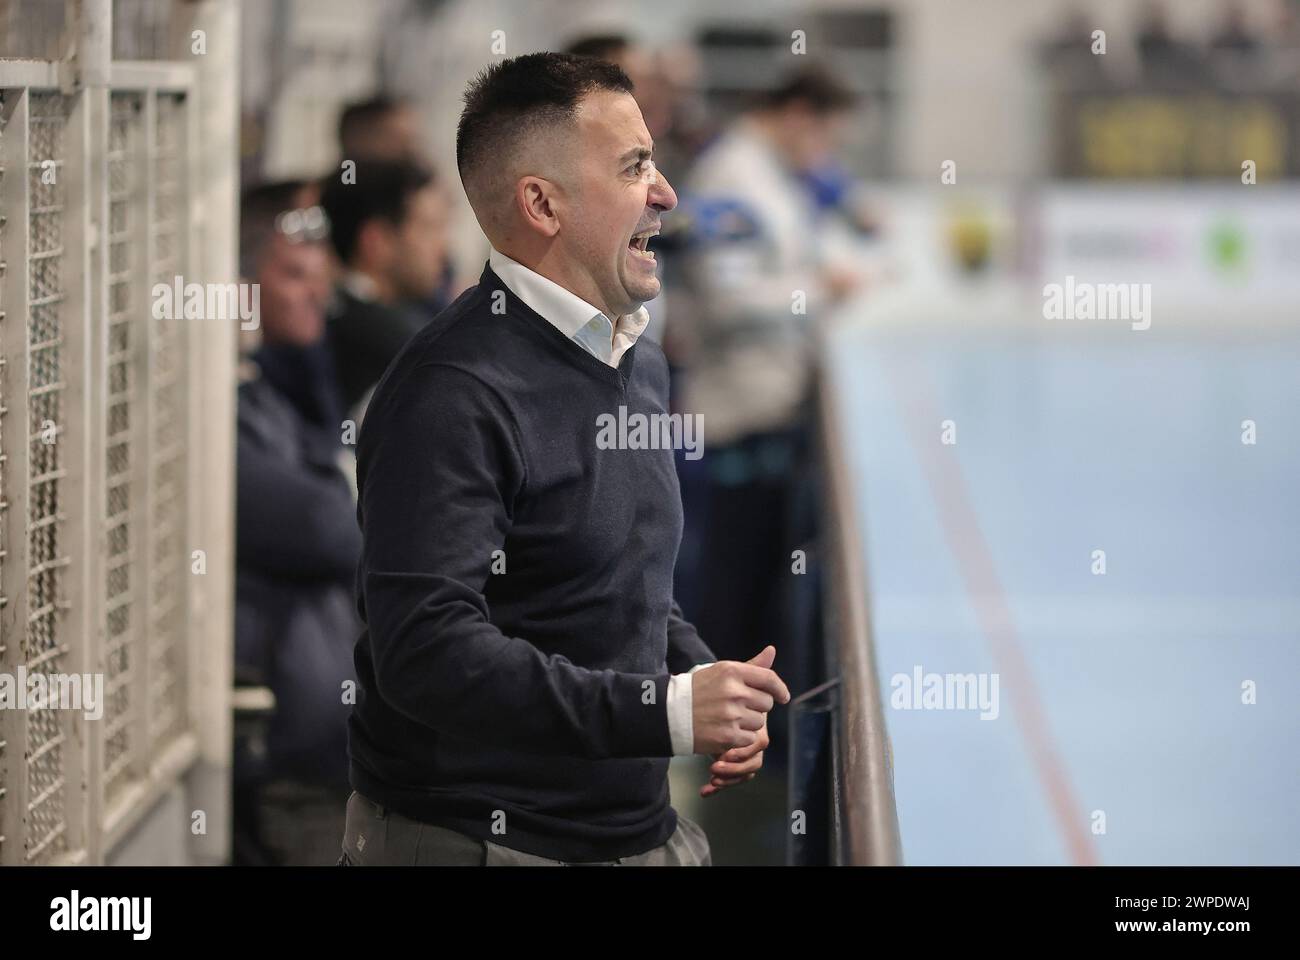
374,836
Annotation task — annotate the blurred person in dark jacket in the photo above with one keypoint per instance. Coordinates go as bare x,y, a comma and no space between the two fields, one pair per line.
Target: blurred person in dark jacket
388,225
388,129
297,542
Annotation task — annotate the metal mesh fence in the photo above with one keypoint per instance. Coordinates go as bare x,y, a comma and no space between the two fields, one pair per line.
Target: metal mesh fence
124,208
169,559
140,412
43,648
96,205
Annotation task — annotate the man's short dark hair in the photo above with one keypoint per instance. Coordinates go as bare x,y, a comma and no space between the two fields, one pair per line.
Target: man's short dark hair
359,119
382,191
516,98
259,205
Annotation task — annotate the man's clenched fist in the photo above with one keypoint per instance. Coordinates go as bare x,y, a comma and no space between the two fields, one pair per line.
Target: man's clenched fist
730,702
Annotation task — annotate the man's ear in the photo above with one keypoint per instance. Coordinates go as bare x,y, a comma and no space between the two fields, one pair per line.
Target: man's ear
534,198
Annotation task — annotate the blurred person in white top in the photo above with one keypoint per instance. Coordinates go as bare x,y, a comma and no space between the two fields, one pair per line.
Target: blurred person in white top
750,340
760,273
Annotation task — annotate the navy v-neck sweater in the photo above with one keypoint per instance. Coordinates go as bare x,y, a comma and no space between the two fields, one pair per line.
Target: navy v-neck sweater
516,586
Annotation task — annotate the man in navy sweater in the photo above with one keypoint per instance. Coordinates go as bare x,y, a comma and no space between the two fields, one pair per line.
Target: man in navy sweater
525,674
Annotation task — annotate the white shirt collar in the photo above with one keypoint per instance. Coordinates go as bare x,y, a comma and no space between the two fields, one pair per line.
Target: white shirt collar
564,309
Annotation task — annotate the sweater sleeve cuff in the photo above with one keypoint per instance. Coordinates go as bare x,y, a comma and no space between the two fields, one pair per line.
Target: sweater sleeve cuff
640,714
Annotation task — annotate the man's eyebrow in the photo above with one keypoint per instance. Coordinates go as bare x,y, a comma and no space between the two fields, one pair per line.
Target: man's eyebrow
636,153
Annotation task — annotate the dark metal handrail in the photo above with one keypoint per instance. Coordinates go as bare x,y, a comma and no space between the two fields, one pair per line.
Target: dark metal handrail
867,820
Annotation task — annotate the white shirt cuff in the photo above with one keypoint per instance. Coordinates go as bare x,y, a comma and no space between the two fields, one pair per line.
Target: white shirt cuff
681,711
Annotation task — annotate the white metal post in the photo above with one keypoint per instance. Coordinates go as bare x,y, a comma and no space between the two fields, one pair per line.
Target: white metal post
214,180
14,447
81,361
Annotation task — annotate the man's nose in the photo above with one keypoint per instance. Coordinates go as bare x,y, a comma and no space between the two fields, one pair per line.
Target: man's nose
662,196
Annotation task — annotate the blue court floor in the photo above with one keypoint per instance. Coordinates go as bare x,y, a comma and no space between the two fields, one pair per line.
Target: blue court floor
1121,729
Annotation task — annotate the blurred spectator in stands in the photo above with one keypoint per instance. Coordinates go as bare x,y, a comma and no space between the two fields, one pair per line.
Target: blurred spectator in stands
689,130
389,229
297,543
1233,36
269,200
1166,61
381,128
616,48
1068,56
1285,38
388,129
760,277
1286,32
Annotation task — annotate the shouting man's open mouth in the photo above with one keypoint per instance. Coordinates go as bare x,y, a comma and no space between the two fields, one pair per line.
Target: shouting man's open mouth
639,243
